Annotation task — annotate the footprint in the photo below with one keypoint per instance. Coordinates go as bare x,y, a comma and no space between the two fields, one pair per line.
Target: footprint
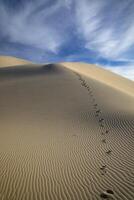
108,152
87,86
107,131
104,140
101,120
98,111
107,195
103,195
103,167
110,191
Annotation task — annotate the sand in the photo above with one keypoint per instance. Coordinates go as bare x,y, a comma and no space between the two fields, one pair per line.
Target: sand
6,61
103,75
65,135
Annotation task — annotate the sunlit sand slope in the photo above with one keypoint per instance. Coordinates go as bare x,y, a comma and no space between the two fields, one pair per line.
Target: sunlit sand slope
11,61
64,136
103,75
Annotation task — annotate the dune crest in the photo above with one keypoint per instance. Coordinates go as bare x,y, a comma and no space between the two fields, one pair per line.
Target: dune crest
103,75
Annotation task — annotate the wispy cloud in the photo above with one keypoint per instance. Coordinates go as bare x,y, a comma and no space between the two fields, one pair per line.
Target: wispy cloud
35,24
106,26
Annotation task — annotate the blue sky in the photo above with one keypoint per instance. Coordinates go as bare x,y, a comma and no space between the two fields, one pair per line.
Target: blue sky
93,31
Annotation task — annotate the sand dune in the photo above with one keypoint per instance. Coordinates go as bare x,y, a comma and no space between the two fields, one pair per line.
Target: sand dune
103,75
12,61
65,135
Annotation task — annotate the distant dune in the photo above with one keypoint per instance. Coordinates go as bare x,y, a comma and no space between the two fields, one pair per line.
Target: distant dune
11,61
66,133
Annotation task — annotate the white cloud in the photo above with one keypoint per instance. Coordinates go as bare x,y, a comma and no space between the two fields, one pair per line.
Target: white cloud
105,26
86,17
108,33
32,25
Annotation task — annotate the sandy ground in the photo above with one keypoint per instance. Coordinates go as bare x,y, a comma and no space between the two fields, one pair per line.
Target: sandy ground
65,135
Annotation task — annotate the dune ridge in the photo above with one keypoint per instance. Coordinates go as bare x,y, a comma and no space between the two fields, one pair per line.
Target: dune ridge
64,135
102,75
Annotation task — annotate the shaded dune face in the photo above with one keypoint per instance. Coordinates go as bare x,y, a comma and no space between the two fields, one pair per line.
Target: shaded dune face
64,135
